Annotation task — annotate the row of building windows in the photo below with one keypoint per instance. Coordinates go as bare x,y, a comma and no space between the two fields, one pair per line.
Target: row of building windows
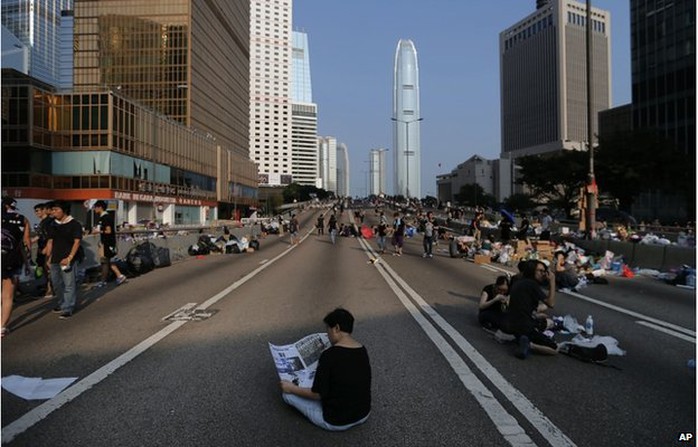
580,20
528,32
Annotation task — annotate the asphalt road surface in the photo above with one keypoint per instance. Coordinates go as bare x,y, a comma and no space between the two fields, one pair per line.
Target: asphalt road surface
206,377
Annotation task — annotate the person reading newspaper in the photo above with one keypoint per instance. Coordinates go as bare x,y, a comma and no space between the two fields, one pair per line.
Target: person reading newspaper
340,397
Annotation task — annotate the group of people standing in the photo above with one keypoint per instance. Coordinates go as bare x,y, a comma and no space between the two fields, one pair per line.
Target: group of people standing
58,238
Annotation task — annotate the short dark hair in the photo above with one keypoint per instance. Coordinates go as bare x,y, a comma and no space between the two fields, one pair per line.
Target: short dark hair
39,206
341,317
100,203
62,204
529,270
501,280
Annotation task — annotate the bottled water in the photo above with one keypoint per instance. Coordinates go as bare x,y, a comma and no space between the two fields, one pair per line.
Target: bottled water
589,326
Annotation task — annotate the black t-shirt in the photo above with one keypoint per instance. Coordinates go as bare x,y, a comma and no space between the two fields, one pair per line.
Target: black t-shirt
524,297
343,380
13,225
107,220
44,229
491,293
382,229
63,236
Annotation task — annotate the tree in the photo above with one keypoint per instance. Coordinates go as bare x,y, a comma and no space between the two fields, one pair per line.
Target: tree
472,194
519,202
632,162
555,179
303,193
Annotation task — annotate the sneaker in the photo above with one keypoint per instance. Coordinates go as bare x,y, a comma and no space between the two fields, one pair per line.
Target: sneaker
523,348
65,315
503,337
4,332
120,280
57,310
431,255
424,255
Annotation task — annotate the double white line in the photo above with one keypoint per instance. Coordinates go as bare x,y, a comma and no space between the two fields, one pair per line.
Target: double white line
505,423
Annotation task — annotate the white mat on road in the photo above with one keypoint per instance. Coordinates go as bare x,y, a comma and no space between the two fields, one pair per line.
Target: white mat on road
35,388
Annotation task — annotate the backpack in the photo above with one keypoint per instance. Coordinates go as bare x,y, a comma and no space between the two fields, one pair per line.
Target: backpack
597,354
11,245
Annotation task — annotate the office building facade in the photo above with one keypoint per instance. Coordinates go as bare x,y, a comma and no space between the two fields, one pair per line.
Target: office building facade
543,78
663,52
343,170
327,150
304,148
36,24
377,174
406,121
270,90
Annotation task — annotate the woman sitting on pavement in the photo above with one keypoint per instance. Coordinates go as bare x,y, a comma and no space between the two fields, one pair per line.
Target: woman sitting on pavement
523,319
340,397
493,302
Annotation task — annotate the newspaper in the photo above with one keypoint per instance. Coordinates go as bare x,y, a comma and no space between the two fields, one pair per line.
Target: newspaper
297,362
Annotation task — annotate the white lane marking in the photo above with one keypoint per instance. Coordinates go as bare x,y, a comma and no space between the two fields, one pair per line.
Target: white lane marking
547,429
10,431
491,269
668,331
634,314
34,416
183,309
263,261
670,326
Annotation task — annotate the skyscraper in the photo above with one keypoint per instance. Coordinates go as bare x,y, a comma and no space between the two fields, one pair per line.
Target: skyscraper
35,23
377,172
270,90
543,77
664,69
406,117
327,150
304,148
342,170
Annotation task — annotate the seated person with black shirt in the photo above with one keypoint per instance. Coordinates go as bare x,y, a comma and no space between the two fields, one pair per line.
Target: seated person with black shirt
493,302
521,317
340,397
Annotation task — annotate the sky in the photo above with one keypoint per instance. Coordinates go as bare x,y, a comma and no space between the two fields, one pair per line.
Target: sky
352,49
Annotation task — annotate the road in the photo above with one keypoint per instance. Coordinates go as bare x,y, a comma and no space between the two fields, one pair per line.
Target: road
438,378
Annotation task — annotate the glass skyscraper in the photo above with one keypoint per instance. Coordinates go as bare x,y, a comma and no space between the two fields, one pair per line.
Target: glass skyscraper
301,87
36,23
406,117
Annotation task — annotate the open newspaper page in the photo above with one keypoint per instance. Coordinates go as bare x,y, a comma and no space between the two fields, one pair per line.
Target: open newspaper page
297,362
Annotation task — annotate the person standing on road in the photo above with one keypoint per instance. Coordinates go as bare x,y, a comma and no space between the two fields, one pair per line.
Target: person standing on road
16,245
340,397
42,212
429,235
398,234
63,247
382,236
321,225
522,234
332,228
525,297
293,228
545,223
107,244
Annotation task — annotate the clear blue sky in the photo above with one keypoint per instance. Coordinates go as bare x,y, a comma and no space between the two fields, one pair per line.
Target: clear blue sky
352,46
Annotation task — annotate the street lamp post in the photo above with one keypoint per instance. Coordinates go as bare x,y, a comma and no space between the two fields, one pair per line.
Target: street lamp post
591,189
407,152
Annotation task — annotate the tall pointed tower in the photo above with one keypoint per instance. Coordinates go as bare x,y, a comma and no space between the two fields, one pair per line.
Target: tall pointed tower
406,118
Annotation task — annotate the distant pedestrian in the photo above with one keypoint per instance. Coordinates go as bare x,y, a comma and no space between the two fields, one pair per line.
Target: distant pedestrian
332,228
545,223
293,229
64,253
522,234
505,229
16,245
107,248
321,224
381,236
429,234
398,234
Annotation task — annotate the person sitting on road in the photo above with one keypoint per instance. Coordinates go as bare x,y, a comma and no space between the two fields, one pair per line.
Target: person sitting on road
565,275
494,300
340,397
522,317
